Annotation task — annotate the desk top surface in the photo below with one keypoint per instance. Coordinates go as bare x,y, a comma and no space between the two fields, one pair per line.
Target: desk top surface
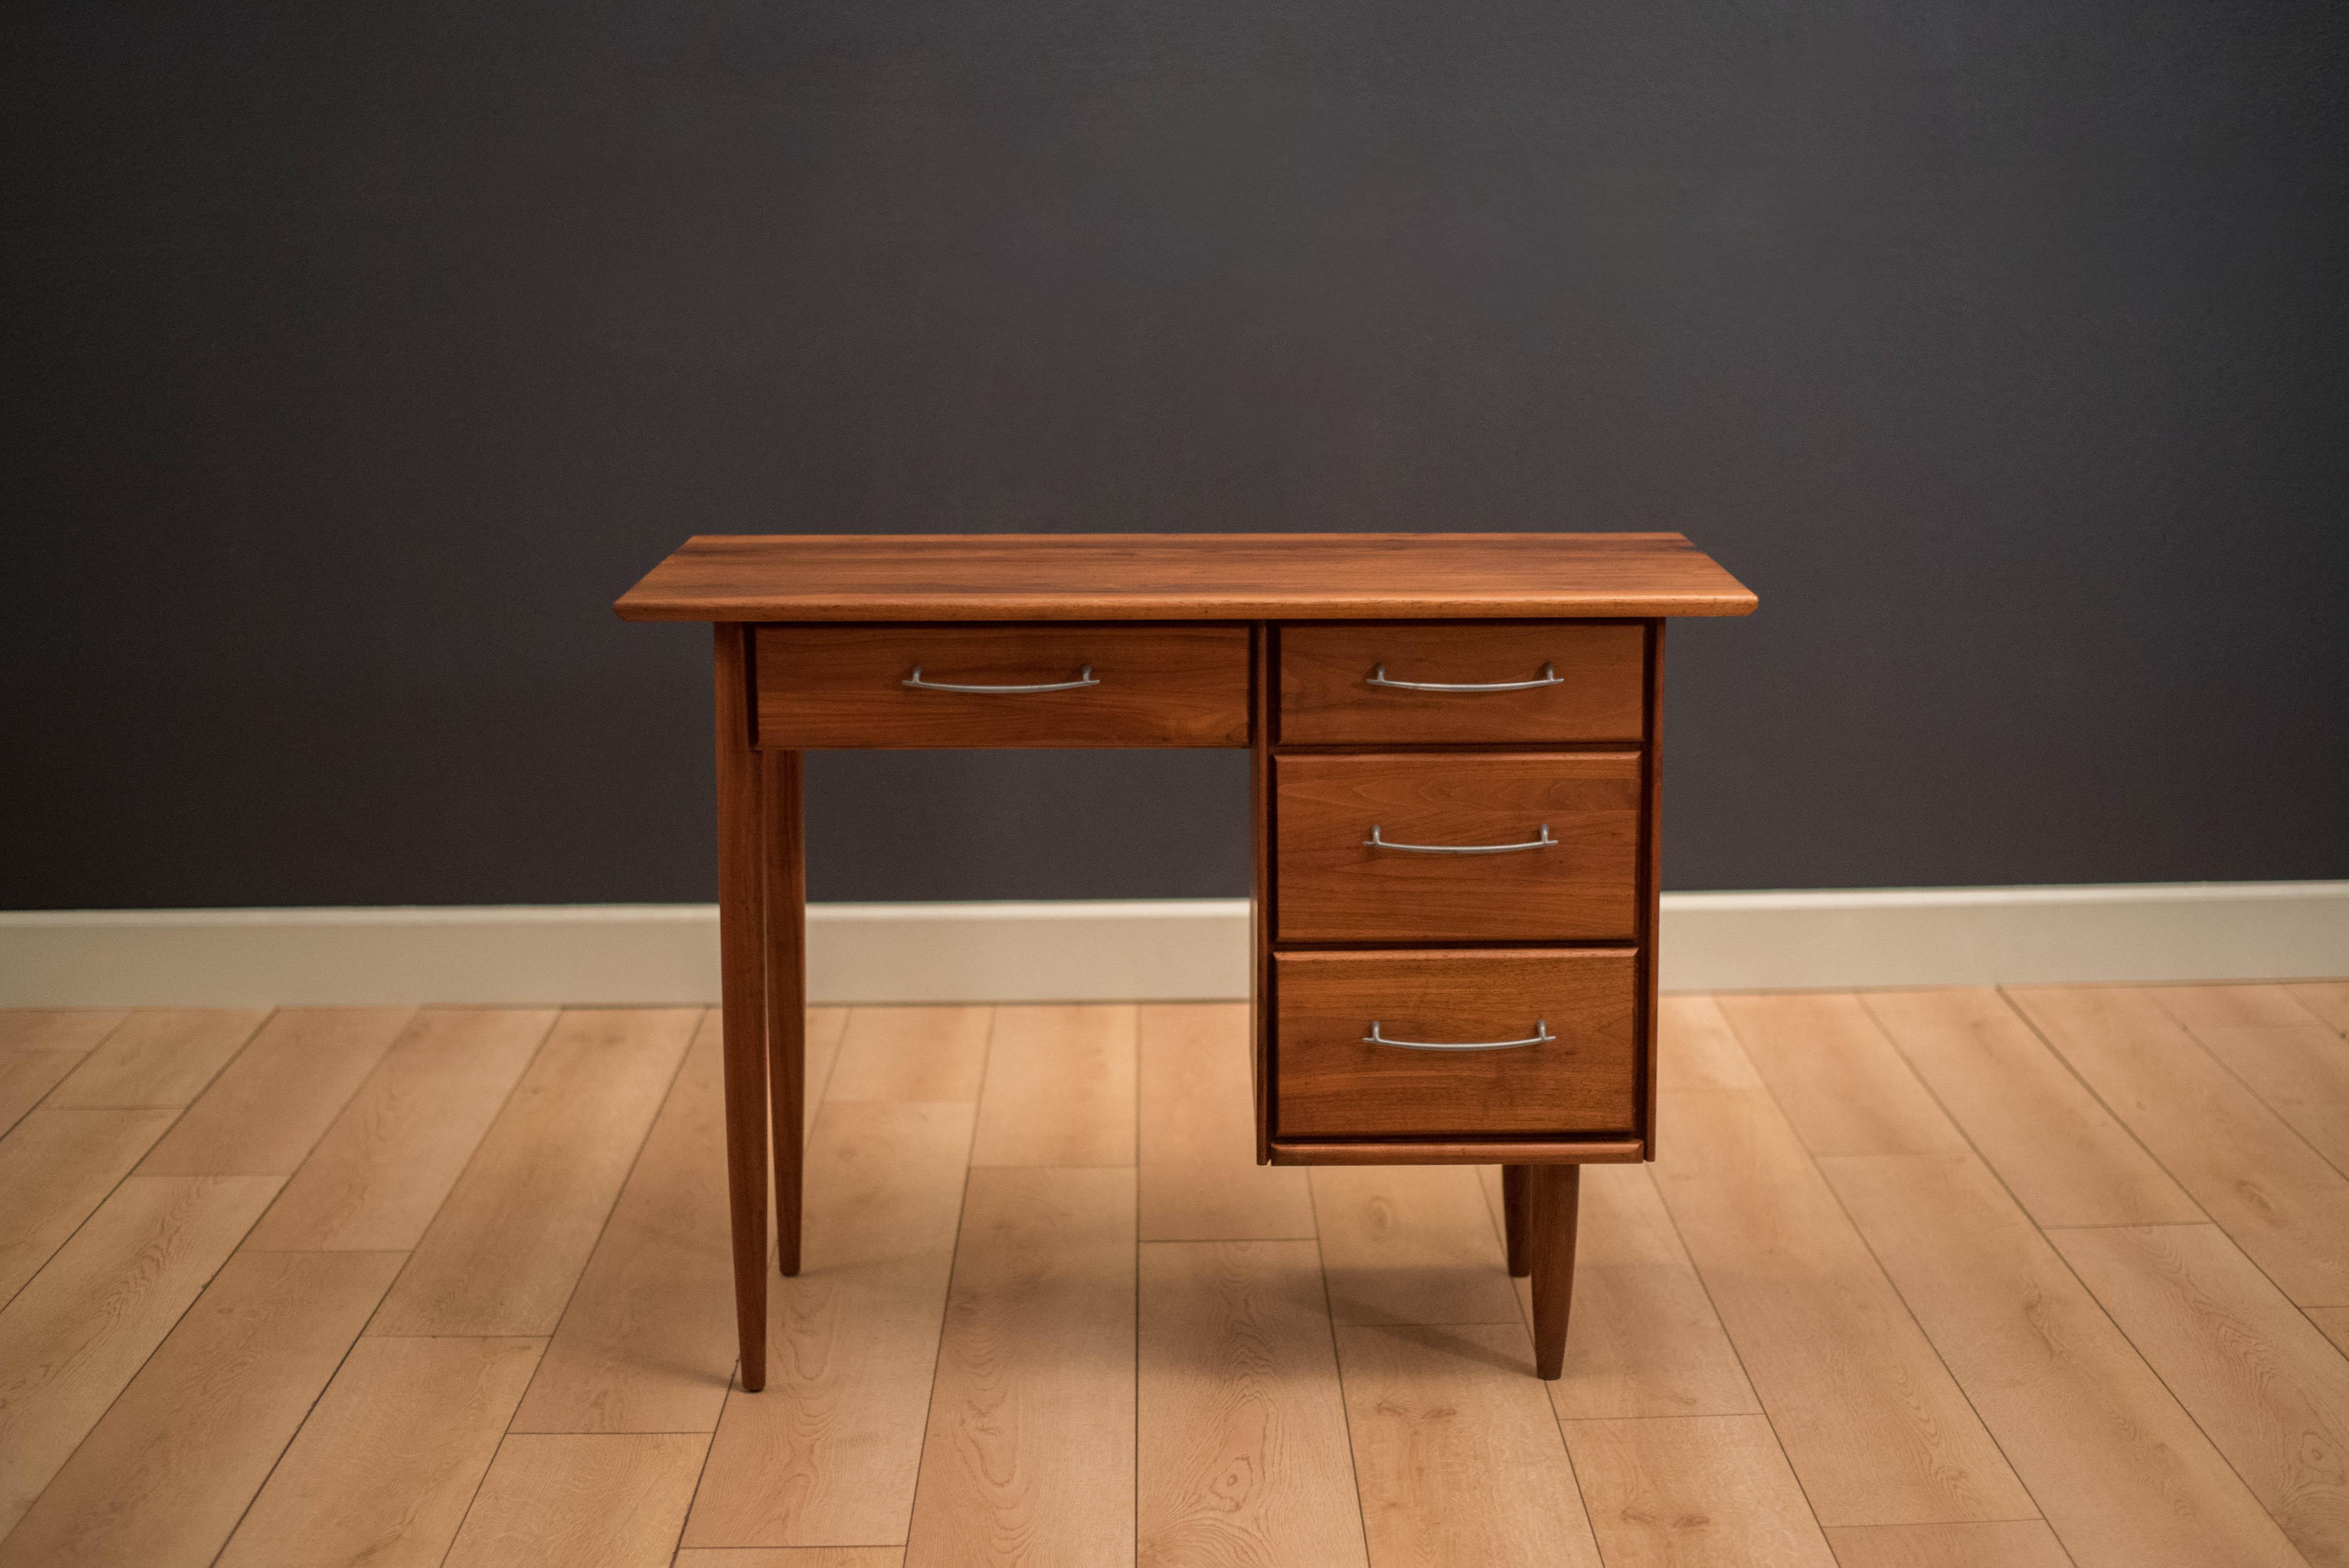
1182,577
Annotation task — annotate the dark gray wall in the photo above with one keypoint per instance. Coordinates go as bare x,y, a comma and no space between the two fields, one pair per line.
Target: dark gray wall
362,354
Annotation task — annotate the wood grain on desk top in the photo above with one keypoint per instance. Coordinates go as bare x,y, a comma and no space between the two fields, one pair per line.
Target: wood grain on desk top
1185,576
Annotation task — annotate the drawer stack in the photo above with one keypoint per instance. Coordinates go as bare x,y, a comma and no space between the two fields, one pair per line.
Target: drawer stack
1455,844
1456,891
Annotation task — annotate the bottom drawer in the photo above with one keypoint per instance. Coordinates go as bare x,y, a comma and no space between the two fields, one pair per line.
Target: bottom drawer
1331,1080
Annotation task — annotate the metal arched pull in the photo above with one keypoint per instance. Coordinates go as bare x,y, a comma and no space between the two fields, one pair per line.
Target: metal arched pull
1376,843
1540,1036
1378,677
1084,678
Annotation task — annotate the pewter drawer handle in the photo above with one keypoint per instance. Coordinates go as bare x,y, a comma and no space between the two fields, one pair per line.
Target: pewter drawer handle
1541,1036
1549,677
1375,842
1084,678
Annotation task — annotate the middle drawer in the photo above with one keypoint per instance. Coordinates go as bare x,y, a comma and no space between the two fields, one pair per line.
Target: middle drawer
1469,847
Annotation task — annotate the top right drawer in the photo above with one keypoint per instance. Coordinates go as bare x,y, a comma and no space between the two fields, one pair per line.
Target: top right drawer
1389,683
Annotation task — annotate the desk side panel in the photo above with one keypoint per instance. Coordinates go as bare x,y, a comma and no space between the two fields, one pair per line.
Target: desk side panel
1651,873
1263,658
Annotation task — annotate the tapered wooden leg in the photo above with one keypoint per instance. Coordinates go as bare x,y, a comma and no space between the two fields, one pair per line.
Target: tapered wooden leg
786,937
1513,1217
1554,1203
742,992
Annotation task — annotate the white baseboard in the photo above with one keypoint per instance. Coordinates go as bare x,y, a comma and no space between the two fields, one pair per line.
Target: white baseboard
1171,949
2136,933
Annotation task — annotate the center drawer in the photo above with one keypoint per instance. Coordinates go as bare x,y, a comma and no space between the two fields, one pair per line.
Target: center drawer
1469,847
977,683
1572,1068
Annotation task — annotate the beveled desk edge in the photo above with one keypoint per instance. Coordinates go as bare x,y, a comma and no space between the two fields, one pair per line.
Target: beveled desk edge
1184,577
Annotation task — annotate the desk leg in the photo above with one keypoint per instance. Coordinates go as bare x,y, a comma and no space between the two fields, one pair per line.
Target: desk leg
1553,1202
741,943
786,926
1516,1195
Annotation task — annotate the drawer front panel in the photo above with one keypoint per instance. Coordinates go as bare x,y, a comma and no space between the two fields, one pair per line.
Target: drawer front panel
838,685
1330,1082
1329,695
1334,886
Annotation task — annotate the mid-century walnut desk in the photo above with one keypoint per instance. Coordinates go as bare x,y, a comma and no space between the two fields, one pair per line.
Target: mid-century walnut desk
1455,783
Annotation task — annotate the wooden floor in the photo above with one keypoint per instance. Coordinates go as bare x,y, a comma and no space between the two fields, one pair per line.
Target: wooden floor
1939,1278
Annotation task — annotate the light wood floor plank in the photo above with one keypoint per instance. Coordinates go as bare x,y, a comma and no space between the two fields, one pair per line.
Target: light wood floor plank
2301,1071
2059,1151
1825,1058
2096,1427
163,1478
502,1256
610,1500
825,1028
40,1046
383,1168
1059,1088
1693,1492
793,1557
2334,1322
56,1167
1030,1454
1244,1456
74,1031
2328,999
2231,1006
2255,1375
75,1335
1199,1179
2280,1200
384,1469
828,1453
647,1343
1458,1452
2294,1060
1410,1243
27,1077
1644,1339
1490,1183
261,1116
1696,1048
2122,1473
1868,1416
160,1057
2015,1543
911,1055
